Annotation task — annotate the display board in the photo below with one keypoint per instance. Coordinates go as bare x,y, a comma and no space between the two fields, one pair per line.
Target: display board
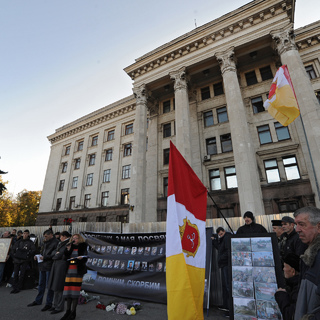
4,248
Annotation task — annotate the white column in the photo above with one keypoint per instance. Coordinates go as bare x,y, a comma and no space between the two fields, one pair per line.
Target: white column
249,188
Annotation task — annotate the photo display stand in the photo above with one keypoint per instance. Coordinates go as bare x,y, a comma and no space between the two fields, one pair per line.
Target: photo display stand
255,274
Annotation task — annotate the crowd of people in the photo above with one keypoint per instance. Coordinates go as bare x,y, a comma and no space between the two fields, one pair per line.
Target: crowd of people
61,264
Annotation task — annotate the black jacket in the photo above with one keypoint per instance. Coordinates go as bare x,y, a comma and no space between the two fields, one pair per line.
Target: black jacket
82,251
23,251
48,251
223,247
292,243
252,228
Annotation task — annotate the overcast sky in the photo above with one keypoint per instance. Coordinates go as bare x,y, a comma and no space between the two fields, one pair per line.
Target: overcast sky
63,59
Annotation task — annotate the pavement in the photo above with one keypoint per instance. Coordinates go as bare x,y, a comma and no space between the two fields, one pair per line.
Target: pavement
14,307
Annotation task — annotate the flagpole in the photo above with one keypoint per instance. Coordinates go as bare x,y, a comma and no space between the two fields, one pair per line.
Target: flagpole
220,212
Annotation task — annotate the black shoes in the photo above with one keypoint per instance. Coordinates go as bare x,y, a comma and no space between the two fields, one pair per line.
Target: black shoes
55,311
72,316
33,304
45,308
66,315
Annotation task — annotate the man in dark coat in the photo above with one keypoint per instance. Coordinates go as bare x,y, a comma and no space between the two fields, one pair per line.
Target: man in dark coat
46,253
58,273
22,254
277,229
250,225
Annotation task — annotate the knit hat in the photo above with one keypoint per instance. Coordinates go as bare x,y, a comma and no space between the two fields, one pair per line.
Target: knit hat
276,223
292,260
248,214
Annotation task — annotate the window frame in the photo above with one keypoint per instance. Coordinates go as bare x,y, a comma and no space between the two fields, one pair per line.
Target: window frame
167,130
94,141
165,186
126,171
87,200
104,198
251,78
272,169
223,113
218,89
262,131
214,178
58,204
128,129
266,73
108,156
89,181
211,143
205,93
61,185
125,196
77,163
110,135
64,167
75,182
310,71
208,119
279,128
67,150
72,202
80,145
291,165
224,142
166,106
257,105
106,175
92,159
228,177
166,156
127,150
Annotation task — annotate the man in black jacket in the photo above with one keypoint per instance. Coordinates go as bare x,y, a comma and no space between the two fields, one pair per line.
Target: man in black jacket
250,225
45,265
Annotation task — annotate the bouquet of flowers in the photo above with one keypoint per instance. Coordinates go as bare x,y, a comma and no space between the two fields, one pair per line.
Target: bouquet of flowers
121,307
85,297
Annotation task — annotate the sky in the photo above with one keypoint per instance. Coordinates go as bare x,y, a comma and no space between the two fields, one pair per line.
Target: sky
60,60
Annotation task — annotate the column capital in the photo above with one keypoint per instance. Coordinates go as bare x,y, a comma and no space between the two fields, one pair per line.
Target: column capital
227,60
284,39
140,93
180,79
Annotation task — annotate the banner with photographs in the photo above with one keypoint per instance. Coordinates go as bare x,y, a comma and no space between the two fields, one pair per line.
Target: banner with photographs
256,275
127,265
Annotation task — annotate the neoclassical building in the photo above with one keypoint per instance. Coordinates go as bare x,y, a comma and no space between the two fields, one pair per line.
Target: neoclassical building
204,91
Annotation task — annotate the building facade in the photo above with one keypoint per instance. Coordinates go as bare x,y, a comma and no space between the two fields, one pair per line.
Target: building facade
204,91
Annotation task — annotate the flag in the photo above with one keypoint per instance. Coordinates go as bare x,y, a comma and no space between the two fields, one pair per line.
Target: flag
185,240
282,103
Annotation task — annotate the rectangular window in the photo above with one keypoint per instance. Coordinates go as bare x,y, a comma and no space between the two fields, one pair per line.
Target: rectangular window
166,106
61,185
83,219
264,134
318,96
67,152
108,154
218,89
231,178
87,199
205,93
89,179
53,222
104,198
74,182
226,143
101,219
266,73
272,170
288,206
77,163
257,105
106,175
129,129
125,196
291,168
215,181
126,171
222,114
110,135
58,205
166,155
208,118
282,132
167,130
92,159
127,150
94,141
251,78
165,187
64,167
310,71
72,202
211,145
80,146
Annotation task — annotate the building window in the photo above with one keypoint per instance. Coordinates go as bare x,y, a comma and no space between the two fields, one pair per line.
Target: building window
218,89
211,145
257,105
58,205
208,118
215,181
106,175
272,170
64,167
310,71
205,93
94,141
53,222
101,219
72,203
61,185
167,130
92,159
108,154
74,182
291,168
222,114
288,206
125,196
126,171
89,179
110,135
227,212
67,152
127,150
129,129
87,199
166,156
318,96
166,106
77,163
83,219
165,186
264,134
251,78
104,198
80,146
231,178
226,143
282,132
122,218
266,73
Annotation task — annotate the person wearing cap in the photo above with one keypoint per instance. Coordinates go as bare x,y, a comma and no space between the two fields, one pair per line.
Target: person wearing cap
287,298
290,241
277,229
250,225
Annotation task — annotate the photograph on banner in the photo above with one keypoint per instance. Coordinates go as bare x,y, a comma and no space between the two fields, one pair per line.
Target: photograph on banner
4,248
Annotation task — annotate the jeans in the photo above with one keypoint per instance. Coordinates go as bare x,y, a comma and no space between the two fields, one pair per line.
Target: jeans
43,282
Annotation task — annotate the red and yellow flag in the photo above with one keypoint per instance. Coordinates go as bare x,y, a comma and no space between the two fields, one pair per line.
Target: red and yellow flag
282,103
186,240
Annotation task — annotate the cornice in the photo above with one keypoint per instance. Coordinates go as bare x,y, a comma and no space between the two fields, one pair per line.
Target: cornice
208,34
308,36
